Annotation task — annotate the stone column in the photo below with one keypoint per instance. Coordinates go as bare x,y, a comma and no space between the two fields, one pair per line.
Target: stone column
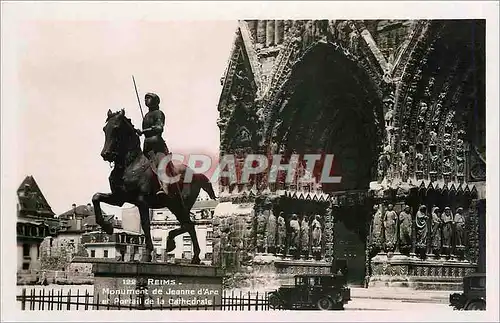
329,235
269,33
261,32
287,25
279,31
252,25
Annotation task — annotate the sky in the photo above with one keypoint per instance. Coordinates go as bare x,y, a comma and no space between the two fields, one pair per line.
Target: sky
70,73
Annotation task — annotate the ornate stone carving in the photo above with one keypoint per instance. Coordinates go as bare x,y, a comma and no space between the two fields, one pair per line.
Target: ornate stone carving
436,227
377,232
316,235
459,228
294,235
271,228
447,217
281,236
390,228
304,237
261,222
405,229
421,220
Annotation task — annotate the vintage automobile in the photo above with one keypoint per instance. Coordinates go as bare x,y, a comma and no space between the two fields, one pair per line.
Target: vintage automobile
473,297
320,291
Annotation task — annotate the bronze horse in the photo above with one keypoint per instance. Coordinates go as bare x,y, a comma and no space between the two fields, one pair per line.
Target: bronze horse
133,181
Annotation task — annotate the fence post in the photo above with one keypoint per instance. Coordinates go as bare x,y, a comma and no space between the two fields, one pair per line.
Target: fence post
232,300
68,303
23,299
86,300
77,298
43,299
40,300
257,301
240,300
249,306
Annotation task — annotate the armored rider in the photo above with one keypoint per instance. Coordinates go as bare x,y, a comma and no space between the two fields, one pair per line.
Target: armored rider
153,123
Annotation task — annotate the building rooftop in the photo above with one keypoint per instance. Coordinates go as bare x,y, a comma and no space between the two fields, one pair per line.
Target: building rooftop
81,211
31,200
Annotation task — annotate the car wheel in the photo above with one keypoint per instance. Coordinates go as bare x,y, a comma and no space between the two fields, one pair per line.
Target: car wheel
325,303
274,301
476,306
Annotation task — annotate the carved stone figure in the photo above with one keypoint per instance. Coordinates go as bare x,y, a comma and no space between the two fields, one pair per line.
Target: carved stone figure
294,234
447,164
383,165
433,140
405,157
447,218
353,41
405,224
421,226
420,162
261,229
271,232
316,234
459,228
422,113
390,227
377,234
436,227
434,161
281,237
304,236
460,156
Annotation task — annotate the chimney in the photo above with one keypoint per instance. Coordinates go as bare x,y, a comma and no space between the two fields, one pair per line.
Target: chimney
74,210
79,224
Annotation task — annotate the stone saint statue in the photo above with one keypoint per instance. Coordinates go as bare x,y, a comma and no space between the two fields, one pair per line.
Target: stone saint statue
294,233
281,237
459,228
304,236
421,226
436,226
261,230
377,234
405,224
316,233
271,232
390,227
447,218
153,123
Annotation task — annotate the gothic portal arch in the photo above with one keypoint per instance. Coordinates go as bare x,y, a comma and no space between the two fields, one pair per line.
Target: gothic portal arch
329,105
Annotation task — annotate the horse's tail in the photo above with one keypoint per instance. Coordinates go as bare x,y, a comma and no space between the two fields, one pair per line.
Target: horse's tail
206,185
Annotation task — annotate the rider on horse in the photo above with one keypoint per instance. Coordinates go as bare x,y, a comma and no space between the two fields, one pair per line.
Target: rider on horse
155,147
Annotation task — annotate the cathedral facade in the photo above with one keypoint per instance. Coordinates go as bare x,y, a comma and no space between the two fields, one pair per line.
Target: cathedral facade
400,104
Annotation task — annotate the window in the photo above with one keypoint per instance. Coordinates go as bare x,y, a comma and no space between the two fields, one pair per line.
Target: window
26,250
210,235
92,253
105,254
26,266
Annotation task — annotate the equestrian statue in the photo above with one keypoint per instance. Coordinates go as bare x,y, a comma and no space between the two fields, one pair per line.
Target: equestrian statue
134,178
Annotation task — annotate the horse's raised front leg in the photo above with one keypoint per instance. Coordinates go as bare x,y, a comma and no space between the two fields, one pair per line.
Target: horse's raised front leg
146,228
108,198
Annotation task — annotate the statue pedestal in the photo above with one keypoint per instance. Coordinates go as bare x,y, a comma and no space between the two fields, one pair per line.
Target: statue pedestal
156,285
403,271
